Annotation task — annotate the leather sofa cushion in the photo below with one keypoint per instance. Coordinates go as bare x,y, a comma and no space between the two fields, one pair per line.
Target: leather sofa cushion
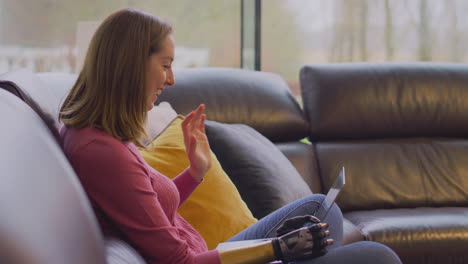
303,158
365,100
258,99
419,235
264,177
396,173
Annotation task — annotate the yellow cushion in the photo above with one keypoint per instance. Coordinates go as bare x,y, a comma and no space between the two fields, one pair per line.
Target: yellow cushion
215,209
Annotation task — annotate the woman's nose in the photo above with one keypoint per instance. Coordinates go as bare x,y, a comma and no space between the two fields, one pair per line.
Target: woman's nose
170,81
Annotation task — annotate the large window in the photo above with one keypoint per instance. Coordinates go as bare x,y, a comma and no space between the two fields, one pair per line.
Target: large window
42,34
298,32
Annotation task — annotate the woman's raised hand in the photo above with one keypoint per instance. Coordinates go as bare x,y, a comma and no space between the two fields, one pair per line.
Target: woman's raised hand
196,143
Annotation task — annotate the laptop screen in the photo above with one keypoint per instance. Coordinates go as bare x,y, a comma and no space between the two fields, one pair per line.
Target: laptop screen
331,196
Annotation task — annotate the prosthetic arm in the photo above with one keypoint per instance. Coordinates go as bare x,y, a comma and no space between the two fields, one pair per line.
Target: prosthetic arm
307,241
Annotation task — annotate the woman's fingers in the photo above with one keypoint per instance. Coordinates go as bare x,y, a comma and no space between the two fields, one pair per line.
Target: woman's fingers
196,142
201,108
202,124
199,113
195,115
193,144
187,123
195,121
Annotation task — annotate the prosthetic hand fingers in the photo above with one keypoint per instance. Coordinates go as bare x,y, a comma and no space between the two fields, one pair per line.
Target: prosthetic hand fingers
304,242
318,227
296,222
320,234
295,245
322,242
320,247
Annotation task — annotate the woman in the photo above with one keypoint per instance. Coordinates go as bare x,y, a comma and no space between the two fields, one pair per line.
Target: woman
127,66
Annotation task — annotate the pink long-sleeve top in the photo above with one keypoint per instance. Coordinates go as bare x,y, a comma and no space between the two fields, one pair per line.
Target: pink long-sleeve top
133,201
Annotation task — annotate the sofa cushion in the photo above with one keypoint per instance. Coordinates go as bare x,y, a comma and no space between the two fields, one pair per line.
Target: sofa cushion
419,235
303,157
35,88
58,83
266,179
259,99
396,173
365,100
215,209
158,118
119,252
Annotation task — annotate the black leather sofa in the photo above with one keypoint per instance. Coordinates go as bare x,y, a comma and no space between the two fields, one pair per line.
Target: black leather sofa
399,129
401,132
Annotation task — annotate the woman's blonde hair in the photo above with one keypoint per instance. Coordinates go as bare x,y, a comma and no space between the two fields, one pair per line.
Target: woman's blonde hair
110,92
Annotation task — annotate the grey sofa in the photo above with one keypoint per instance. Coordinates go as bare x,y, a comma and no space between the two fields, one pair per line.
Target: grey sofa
399,129
45,216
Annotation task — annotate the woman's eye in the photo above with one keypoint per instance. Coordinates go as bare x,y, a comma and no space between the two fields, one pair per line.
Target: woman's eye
167,66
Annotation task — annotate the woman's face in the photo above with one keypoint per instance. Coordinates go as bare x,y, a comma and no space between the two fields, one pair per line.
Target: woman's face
159,71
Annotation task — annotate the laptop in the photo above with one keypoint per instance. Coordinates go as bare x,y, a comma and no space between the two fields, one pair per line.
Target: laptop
330,198
321,213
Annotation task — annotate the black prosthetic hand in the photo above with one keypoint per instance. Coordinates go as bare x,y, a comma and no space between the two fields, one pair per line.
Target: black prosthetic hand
296,222
301,237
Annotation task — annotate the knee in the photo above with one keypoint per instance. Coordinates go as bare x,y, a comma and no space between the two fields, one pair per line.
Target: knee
334,218
316,197
307,205
373,252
